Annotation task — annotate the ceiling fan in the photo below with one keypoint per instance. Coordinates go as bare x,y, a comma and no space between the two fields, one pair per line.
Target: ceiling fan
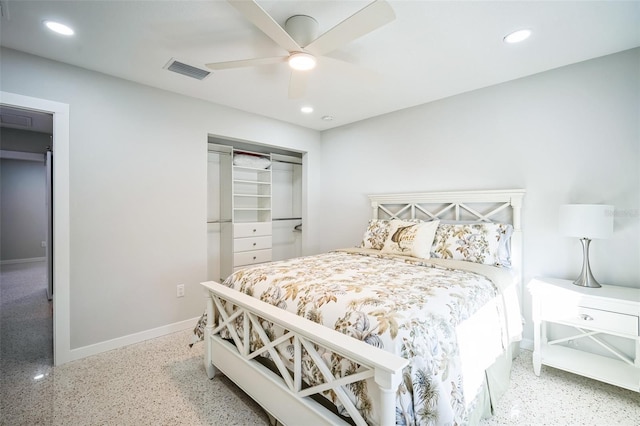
299,37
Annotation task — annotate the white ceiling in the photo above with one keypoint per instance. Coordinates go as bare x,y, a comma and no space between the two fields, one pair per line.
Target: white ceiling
430,51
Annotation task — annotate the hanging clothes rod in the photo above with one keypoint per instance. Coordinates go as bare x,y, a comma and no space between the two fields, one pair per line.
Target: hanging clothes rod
286,162
274,220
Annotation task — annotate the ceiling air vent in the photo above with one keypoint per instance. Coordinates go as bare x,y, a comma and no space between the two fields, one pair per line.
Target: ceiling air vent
15,120
186,69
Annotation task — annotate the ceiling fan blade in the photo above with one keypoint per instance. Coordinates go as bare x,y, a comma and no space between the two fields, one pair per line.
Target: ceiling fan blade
261,19
371,17
246,63
298,84
350,70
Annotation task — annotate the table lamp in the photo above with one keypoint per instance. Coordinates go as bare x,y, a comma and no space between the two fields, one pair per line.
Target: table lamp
586,221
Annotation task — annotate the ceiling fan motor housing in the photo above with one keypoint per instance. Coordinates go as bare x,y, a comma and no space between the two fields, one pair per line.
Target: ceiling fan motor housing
302,28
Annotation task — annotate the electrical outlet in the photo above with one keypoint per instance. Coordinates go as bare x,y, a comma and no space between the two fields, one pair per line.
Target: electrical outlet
180,290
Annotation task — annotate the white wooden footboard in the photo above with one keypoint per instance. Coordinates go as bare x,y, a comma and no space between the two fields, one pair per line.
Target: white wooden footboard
284,396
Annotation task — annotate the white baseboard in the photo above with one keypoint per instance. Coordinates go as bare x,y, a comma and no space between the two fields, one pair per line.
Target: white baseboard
130,339
526,344
12,261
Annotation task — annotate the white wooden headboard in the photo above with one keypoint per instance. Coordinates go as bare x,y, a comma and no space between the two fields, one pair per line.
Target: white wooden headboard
487,206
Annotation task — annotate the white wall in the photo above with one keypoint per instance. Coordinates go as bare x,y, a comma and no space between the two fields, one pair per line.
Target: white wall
569,135
23,218
138,180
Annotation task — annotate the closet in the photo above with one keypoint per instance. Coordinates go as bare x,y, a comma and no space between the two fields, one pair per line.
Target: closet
254,206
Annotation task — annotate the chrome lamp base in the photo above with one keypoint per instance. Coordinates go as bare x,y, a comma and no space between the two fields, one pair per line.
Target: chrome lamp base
586,278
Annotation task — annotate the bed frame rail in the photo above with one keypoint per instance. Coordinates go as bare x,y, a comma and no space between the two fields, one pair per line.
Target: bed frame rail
287,400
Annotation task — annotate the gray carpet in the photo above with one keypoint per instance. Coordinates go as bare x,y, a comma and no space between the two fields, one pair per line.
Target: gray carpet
162,381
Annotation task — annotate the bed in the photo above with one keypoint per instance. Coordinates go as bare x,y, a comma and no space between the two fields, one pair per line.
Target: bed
418,324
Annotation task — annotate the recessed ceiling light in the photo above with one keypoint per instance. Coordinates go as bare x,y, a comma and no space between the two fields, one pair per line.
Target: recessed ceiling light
517,36
327,117
59,28
306,109
301,61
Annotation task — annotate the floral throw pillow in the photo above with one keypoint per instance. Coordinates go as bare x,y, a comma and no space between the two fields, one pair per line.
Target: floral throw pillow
410,238
486,243
376,234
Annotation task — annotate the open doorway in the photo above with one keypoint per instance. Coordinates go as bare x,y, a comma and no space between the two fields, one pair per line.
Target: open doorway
26,239
60,244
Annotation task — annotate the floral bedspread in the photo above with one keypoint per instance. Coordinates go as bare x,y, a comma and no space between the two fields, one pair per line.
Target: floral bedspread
403,305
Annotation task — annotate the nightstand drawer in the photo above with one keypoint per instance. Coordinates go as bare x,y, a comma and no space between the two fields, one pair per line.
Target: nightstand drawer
612,322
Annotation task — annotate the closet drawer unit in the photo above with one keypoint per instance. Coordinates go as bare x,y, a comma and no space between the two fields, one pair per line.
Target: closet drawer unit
597,319
251,257
251,243
252,229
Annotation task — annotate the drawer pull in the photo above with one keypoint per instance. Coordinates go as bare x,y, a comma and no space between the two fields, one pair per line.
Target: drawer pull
254,258
585,317
254,230
254,244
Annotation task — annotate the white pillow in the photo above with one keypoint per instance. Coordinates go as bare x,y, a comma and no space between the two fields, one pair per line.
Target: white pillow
253,161
410,239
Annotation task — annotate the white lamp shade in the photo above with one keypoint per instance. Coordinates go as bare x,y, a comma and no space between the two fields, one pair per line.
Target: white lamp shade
586,220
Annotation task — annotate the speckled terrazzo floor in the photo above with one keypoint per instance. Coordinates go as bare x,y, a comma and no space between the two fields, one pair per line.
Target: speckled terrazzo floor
157,382
561,398
162,381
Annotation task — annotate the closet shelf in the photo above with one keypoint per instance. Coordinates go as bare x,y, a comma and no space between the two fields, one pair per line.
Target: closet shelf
255,182
253,169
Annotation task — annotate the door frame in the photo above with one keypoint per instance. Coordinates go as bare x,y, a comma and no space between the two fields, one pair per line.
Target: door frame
49,201
61,222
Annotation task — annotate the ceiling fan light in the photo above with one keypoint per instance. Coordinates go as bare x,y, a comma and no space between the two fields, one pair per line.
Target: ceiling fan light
301,61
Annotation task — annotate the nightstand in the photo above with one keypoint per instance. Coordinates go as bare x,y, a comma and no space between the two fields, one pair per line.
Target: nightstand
594,313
